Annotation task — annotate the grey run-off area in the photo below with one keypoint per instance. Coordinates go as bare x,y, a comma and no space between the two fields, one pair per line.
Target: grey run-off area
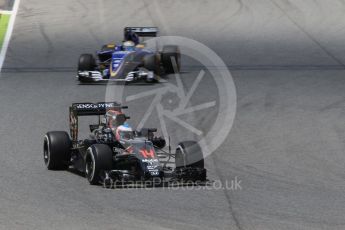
6,4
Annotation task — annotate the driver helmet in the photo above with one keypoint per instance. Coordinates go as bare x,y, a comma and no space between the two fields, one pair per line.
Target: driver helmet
128,46
110,118
124,132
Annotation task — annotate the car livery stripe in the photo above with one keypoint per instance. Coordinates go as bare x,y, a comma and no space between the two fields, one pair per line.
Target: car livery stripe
112,72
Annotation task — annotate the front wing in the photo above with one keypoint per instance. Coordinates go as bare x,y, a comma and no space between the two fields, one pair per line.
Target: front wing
133,76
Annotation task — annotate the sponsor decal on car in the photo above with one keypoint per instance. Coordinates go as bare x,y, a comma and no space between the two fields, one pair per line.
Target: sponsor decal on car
95,106
150,161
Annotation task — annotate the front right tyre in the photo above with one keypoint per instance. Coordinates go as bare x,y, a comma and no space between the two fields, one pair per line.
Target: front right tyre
99,159
86,62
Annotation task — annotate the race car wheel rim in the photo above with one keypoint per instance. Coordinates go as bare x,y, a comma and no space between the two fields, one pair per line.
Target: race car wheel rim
180,150
90,166
89,169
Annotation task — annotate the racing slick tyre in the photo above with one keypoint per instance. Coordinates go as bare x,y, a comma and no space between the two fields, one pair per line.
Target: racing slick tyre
57,150
99,158
151,63
86,62
171,59
189,154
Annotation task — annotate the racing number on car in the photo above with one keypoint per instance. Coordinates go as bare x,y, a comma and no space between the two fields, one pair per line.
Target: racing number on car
147,154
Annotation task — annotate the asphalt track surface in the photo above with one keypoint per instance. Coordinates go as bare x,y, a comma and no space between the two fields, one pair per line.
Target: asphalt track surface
286,146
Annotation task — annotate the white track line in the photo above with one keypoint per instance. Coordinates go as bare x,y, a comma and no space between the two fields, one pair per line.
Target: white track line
5,12
8,33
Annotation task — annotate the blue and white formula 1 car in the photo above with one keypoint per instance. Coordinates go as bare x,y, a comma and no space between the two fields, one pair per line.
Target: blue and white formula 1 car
130,61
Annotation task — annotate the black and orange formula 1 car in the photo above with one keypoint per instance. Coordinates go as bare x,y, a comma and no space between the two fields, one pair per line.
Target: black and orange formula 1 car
115,154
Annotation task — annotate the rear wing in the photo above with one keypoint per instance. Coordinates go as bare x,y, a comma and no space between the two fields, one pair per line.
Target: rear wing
89,109
100,108
142,31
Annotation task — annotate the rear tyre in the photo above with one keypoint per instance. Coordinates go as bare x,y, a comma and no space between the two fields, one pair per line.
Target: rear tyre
86,62
57,150
171,59
99,159
189,154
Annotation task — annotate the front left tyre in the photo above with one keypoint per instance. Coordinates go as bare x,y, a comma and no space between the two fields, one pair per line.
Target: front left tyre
189,162
171,59
57,150
189,154
151,63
